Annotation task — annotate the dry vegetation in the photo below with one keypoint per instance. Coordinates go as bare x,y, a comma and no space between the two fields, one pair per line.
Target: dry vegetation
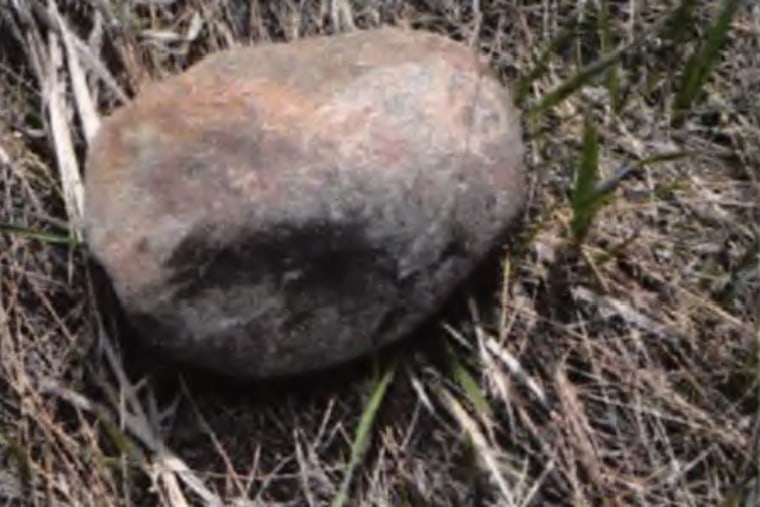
615,364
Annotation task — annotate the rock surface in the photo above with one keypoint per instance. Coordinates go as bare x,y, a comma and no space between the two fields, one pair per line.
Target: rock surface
286,207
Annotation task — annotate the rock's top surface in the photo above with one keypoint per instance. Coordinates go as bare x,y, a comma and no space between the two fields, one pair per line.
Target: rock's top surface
285,207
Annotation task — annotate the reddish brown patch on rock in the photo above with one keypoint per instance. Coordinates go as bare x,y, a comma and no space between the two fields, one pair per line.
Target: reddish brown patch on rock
285,207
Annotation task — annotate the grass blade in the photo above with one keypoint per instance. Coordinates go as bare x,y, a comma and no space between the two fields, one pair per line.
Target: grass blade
588,72
682,20
670,156
702,61
581,78
585,200
484,453
554,46
46,237
468,384
613,76
362,437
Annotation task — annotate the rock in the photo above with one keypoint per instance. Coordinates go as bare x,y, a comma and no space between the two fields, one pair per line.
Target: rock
285,207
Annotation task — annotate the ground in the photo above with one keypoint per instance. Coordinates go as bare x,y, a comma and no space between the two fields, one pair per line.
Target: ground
606,355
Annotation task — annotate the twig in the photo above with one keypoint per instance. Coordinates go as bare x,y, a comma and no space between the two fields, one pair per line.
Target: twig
138,424
82,98
73,190
484,451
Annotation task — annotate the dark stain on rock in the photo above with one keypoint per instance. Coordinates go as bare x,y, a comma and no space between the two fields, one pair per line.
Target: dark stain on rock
309,257
309,267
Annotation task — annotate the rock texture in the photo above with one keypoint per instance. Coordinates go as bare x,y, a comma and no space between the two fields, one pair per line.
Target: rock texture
286,207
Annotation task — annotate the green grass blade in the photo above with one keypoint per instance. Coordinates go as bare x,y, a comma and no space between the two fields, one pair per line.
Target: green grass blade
589,192
660,158
613,76
118,438
682,20
584,200
46,237
19,453
468,384
581,78
590,71
565,35
702,61
362,437
588,170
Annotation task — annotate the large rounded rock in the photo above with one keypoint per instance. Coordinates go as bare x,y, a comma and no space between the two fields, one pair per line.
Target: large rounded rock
285,207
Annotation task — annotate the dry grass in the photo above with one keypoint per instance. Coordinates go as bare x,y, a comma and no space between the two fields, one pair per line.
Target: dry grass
622,370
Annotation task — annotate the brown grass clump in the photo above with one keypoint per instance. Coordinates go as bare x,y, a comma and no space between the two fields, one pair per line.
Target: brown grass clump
610,355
